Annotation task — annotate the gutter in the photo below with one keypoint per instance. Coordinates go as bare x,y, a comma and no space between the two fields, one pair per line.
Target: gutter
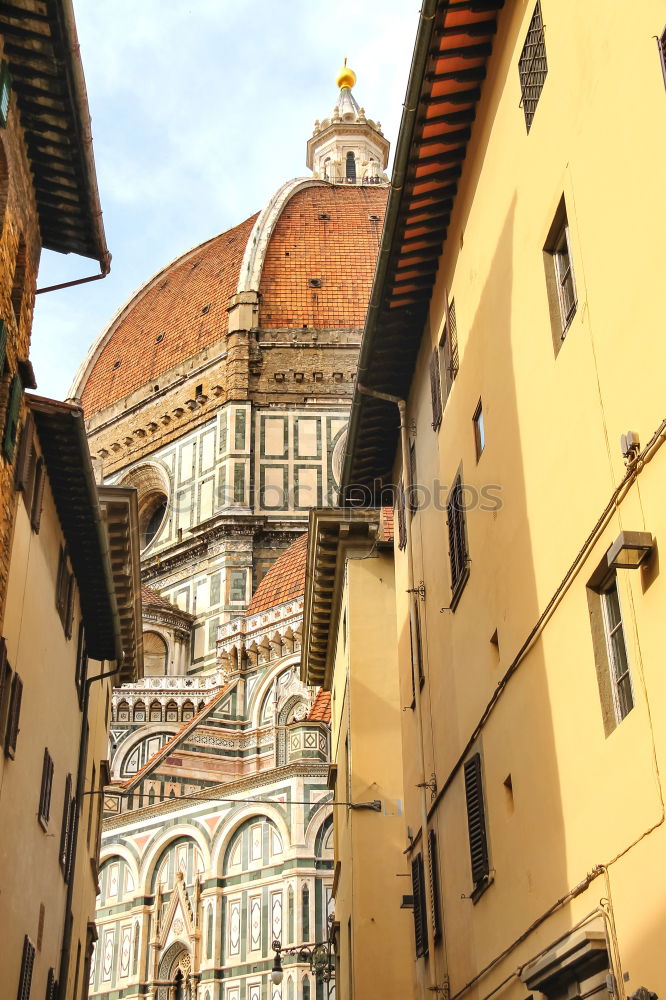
65,15
400,165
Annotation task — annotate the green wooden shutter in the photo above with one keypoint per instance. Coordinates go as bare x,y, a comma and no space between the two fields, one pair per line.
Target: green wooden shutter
3,346
12,418
476,820
5,93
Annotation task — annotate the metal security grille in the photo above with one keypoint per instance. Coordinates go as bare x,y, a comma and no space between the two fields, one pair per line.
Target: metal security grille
532,66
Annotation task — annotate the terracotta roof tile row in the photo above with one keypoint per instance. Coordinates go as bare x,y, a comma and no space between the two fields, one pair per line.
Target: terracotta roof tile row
284,581
321,710
321,258
167,322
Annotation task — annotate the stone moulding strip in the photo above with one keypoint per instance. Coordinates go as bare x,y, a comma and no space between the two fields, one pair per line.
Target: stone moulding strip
257,245
227,791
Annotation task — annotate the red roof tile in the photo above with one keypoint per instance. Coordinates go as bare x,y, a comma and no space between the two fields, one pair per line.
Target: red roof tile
340,252
321,710
284,581
172,307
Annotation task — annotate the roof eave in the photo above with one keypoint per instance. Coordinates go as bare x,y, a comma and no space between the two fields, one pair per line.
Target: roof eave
63,441
330,534
396,315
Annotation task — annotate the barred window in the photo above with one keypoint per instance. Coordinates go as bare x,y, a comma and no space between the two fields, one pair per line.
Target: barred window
458,554
532,66
27,963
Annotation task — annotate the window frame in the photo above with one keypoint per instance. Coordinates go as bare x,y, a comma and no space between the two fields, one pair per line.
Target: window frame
46,788
611,632
5,93
479,430
530,77
556,248
477,825
661,43
27,966
448,352
458,543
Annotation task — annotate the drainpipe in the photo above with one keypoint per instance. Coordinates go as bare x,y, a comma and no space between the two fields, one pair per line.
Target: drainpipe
65,951
416,684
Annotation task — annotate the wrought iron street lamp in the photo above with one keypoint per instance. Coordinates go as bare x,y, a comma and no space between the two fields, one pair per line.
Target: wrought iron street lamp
320,957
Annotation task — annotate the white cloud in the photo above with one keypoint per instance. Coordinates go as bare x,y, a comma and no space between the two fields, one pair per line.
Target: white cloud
200,110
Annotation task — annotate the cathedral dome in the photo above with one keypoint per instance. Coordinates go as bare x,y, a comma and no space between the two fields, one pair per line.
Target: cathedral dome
310,254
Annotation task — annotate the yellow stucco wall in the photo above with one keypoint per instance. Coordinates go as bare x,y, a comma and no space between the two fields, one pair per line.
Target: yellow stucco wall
30,872
581,798
372,874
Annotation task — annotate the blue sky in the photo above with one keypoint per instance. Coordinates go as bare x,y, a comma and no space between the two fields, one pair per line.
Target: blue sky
200,111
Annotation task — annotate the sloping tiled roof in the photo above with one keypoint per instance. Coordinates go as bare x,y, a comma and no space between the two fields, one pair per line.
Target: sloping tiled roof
165,750
284,581
321,710
151,599
386,525
339,251
171,307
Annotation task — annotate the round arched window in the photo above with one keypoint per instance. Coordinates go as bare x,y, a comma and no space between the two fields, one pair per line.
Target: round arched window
152,486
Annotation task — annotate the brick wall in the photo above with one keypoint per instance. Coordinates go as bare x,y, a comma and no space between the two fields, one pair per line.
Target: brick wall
20,228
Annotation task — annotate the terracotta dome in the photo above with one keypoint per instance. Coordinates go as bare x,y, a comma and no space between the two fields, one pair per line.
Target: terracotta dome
284,581
310,255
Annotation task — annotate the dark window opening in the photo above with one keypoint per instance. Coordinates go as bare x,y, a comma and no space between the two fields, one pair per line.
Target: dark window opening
350,167
420,915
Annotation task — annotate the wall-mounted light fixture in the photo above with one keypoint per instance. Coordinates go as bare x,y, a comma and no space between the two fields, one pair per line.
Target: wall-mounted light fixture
320,956
630,550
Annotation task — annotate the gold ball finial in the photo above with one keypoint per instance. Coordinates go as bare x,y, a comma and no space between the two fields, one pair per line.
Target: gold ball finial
346,77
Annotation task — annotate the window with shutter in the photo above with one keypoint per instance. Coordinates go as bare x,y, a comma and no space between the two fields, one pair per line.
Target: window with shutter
72,822
476,824
5,684
661,41
38,495
413,497
434,886
448,350
27,963
420,916
400,511
61,583
458,554
81,661
45,790
25,462
64,828
12,418
68,620
13,714
3,347
435,390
